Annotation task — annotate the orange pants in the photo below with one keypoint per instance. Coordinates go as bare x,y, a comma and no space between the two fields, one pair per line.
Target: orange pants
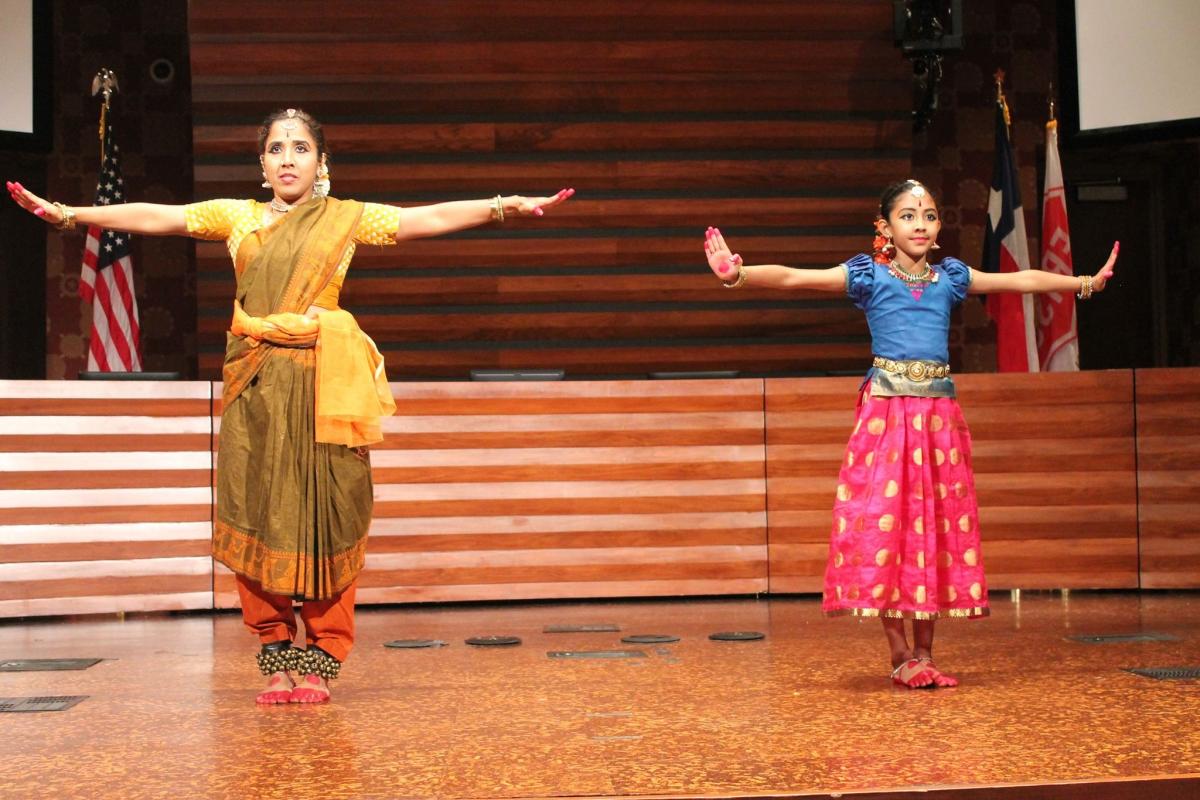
329,624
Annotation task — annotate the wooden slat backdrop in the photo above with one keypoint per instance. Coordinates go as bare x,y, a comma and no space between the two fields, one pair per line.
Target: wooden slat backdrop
778,121
583,489
1054,467
105,498
1168,437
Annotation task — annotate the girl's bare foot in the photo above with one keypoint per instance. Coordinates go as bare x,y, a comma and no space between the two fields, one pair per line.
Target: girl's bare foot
913,674
940,679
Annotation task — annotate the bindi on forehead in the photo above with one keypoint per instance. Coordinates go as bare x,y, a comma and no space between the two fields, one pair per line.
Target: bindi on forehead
280,134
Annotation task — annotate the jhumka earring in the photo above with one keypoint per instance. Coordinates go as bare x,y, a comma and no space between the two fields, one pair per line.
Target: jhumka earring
266,184
321,185
882,249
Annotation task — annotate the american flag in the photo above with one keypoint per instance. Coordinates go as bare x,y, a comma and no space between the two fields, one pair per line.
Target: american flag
107,279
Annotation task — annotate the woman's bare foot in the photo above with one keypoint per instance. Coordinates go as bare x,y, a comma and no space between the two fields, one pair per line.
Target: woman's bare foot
310,689
279,690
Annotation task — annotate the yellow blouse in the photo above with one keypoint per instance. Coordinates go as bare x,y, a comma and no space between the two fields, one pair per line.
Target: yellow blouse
231,220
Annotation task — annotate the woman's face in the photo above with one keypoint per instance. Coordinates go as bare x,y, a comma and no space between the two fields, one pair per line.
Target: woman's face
290,160
914,224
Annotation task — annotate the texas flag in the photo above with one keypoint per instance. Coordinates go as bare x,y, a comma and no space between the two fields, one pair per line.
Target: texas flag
1007,250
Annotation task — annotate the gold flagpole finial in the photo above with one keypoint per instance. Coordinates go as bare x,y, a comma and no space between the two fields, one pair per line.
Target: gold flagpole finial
105,82
1051,121
1000,98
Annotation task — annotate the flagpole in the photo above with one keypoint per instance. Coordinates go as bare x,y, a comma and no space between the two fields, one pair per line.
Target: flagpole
105,82
1002,100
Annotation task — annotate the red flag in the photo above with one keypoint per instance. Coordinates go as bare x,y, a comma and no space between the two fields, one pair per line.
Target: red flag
107,280
1007,250
1057,340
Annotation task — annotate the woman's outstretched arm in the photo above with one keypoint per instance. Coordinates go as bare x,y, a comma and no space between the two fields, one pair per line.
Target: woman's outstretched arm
420,222
729,268
150,219
1036,281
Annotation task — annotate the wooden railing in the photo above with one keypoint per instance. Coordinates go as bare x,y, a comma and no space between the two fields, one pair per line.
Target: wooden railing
493,491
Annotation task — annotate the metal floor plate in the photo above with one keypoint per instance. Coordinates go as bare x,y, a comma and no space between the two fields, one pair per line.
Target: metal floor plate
598,628
1121,638
27,704
46,664
597,654
1168,673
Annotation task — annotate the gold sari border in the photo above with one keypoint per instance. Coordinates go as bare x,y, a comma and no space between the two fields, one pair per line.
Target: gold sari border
898,613
251,558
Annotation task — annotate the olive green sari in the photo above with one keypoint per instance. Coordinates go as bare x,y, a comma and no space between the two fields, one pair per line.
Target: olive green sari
292,513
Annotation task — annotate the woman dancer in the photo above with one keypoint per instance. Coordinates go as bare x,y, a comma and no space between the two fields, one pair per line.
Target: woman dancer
304,388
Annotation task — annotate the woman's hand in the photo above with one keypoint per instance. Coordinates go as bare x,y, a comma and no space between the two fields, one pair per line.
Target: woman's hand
1106,272
721,261
34,204
536,206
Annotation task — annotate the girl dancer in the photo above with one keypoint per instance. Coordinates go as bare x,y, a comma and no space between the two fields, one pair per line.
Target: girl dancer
905,536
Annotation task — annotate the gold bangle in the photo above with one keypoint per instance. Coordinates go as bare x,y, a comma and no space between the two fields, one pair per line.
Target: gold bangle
1085,287
498,208
67,223
741,278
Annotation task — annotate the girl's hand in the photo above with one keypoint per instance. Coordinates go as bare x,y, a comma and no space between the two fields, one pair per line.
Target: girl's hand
536,206
721,261
34,204
1106,272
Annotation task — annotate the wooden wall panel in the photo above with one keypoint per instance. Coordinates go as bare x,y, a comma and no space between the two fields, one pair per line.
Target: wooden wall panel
1168,452
785,143
583,489
105,498
1056,477
808,423
1054,467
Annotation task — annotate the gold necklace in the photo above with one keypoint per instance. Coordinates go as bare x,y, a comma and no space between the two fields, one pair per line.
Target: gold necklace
280,207
927,275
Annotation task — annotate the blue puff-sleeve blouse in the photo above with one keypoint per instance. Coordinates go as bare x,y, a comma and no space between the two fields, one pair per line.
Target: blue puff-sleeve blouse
907,328
904,327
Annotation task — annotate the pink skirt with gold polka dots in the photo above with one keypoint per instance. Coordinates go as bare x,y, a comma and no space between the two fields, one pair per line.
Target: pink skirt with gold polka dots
905,538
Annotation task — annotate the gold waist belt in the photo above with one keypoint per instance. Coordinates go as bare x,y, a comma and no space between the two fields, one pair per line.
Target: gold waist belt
913,370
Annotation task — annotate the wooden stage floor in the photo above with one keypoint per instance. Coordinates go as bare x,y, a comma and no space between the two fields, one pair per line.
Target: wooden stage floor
806,711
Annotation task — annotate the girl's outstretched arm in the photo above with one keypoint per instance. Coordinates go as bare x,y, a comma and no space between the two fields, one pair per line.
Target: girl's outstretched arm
1036,281
729,268
152,219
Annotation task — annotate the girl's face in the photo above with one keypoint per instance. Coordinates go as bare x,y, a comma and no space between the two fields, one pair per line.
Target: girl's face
290,160
914,224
